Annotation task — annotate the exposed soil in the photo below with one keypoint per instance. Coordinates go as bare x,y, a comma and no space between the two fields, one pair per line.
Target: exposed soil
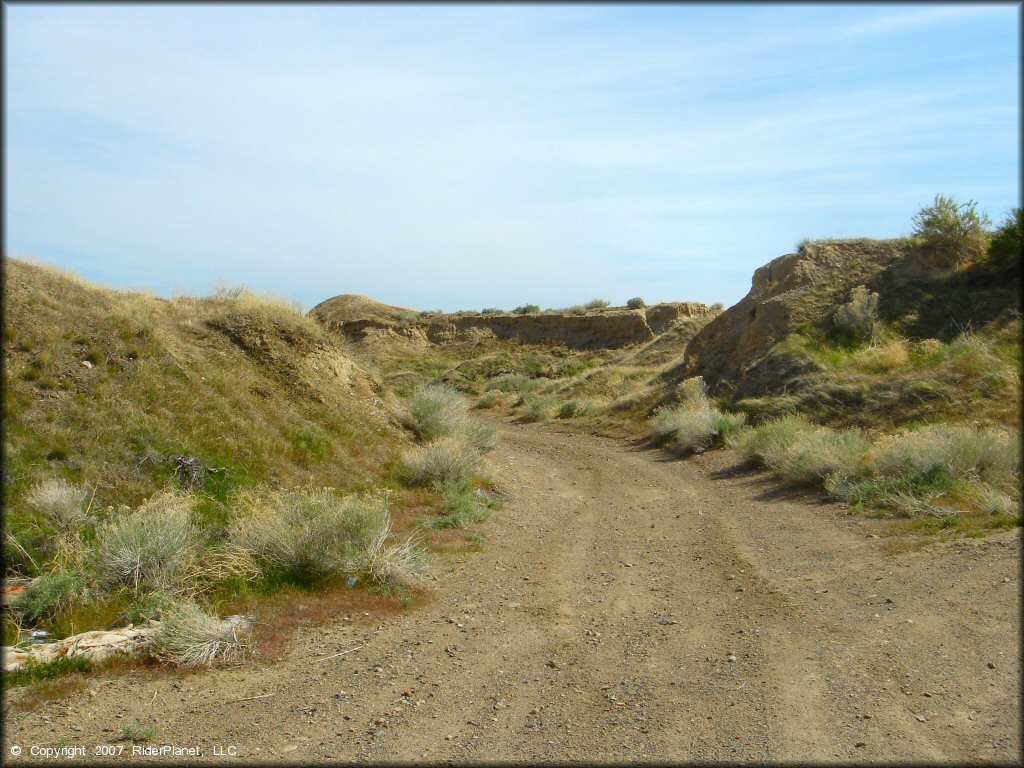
626,607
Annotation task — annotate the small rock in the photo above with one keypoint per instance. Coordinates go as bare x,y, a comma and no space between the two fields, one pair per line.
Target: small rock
739,588
990,665
731,657
860,744
87,364
921,718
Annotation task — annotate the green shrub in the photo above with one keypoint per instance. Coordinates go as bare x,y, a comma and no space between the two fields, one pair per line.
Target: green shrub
436,411
636,303
154,548
816,455
573,408
449,460
487,400
310,534
953,233
462,507
537,407
137,733
514,382
527,309
958,451
771,441
1004,252
728,426
859,317
45,597
596,304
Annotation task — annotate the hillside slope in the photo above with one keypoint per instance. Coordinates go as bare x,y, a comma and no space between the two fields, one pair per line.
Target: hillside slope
128,394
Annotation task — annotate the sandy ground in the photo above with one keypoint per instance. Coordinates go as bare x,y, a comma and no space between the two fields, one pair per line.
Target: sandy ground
625,607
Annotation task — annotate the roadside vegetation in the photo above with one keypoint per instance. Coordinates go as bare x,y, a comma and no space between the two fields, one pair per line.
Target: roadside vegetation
146,478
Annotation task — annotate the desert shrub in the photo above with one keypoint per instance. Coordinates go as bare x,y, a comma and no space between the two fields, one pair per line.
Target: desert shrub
60,501
695,424
192,638
717,306
636,303
770,442
527,309
537,407
482,436
693,392
689,429
462,507
596,304
728,426
572,408
436,411
859,317
1004,251
943,453
311,534
448,460
816,455
953,233
393,562
47,596
156,547
492,311
488,400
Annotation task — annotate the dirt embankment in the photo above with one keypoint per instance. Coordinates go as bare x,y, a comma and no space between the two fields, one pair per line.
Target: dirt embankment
363,319
627,608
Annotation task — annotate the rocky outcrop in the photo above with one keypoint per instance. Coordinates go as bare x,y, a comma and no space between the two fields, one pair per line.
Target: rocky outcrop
609,328
736,353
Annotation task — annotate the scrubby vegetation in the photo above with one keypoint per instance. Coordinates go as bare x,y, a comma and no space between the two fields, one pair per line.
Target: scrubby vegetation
953,233
694,425
964,475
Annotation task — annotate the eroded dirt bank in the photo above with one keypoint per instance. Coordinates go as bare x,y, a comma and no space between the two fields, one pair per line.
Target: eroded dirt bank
626,608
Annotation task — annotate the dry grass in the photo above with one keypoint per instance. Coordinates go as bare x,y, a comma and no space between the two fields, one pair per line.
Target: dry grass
60,501
449,460
191,637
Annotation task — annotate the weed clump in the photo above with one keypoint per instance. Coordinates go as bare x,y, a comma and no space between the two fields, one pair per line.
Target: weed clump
436,411
311,534
45,597
61,502
859,317
191,637
694,425
636,303
449,460
154,548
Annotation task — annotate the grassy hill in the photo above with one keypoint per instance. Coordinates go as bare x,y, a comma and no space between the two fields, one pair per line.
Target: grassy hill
128,394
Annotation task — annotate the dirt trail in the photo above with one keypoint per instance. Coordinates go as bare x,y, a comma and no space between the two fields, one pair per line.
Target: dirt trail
628,608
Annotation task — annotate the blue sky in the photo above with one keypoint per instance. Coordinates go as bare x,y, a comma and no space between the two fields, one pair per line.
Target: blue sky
459,156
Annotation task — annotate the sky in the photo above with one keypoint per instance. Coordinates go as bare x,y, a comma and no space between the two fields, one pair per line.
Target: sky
467,156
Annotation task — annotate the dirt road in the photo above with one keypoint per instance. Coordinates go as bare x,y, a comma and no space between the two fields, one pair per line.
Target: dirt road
628,608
